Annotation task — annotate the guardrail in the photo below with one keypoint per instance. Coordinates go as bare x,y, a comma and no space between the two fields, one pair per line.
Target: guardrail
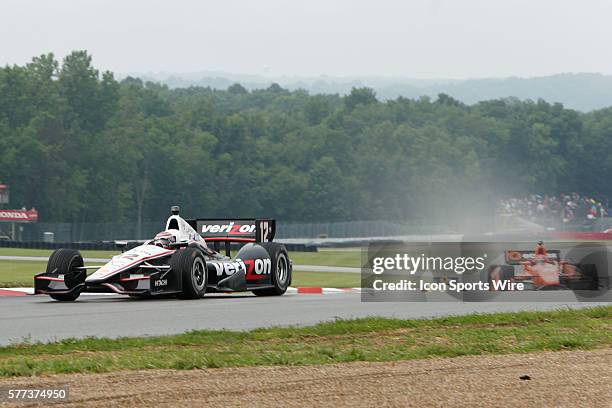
109,231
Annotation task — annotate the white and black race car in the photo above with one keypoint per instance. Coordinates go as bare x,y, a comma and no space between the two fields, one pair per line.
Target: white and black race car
179,262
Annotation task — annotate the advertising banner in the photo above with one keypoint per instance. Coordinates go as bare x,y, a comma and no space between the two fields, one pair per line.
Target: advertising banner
19,215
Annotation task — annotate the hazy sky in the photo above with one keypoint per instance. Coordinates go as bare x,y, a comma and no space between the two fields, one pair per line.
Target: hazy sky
409,38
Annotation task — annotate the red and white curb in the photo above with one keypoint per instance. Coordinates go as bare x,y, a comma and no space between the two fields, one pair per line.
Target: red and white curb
322,291
15,291
5,292
30,291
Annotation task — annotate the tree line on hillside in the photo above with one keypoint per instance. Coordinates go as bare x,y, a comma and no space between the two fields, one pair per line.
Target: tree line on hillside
581,91
78,145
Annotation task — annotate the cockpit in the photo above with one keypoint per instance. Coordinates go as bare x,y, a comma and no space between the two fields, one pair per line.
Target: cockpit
164,239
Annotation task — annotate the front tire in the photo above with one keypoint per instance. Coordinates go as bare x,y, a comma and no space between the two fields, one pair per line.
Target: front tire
65,297
63,262
281,270
190,264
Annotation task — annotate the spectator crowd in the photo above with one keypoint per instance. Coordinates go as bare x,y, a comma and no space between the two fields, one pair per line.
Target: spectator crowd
567,208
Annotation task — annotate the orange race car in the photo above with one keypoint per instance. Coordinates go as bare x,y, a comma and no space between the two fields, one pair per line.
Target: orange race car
541,269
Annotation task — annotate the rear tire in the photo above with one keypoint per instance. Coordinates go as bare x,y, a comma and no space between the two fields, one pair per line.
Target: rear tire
590,278
281,270
63,262
190,264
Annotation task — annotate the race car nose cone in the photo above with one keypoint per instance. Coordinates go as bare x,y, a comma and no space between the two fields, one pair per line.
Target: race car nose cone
175,209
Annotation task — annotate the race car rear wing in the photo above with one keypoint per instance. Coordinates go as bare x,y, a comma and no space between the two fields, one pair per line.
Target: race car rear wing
516,257
235,230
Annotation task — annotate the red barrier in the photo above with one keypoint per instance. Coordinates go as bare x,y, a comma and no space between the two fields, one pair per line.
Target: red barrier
582,236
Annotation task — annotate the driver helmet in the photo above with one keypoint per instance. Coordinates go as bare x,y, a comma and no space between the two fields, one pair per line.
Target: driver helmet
164,239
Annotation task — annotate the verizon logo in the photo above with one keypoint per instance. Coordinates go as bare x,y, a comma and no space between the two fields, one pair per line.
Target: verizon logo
230,228
262,266
228,268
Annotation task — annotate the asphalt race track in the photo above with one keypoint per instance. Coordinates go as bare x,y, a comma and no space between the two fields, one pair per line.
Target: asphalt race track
38,318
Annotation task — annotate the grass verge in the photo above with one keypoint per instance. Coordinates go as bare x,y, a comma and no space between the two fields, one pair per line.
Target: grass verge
322,257
47,252
328,258
20,273
370,339
326,279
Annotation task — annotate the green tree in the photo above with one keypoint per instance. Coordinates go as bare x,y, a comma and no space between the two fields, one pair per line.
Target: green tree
360,96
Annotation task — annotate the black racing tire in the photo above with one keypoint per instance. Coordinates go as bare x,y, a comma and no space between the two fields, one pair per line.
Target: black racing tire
507,273
190,264
281,270
590,278
63,262
65,297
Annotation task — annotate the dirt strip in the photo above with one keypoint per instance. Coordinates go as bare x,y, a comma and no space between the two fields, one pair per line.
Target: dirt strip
556,379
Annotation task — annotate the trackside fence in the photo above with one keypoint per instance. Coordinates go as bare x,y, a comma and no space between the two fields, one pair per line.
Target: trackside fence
89,231
112,246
